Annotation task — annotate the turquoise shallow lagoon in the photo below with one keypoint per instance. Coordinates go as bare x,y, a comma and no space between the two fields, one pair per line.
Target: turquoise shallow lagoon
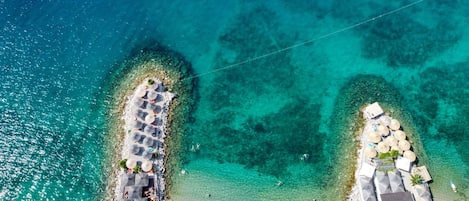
253,121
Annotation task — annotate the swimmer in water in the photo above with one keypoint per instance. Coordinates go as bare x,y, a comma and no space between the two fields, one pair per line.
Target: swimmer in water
279,183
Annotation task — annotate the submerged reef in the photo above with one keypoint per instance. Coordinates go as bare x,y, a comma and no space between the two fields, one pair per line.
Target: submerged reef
407,38
245,40
443,105
269,142
402,41
175,74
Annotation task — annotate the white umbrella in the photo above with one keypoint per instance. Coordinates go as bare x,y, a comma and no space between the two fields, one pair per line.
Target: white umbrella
152,95
391,141
385,120
383,147
138,102
399,135
404,145
410,155
383,130
370,152
148,141
135,123
147,165
141,92
130,163
394,125
374,137
150,119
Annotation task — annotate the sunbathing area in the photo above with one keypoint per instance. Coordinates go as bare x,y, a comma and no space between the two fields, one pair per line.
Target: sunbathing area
386,167
142,166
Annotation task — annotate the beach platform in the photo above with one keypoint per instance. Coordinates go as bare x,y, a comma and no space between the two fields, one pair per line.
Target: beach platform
145,117
386,161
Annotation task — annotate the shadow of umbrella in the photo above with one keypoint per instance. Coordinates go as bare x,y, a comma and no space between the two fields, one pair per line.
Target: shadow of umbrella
148,141
136,137
136,124
149,130
147,155
135,149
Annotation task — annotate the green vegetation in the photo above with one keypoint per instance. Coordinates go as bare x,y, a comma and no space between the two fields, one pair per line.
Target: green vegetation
416,179
122,164
393,154
150,82
137,169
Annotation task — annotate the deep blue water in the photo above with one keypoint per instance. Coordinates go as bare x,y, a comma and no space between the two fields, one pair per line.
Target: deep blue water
55,55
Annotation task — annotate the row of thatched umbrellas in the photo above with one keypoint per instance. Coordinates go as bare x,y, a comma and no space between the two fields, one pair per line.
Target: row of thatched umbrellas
397,141
144,107
146,165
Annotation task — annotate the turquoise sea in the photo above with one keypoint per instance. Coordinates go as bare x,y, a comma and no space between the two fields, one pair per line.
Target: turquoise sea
253,121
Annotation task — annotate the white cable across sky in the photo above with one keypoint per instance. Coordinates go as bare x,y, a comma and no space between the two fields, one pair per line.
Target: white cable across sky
306,42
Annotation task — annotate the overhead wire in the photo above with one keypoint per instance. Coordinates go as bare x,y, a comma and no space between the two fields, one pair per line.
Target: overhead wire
237,64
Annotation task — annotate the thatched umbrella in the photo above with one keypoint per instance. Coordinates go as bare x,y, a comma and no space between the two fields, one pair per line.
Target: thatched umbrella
383,130
152,95
136,124
404,145
147,166
399,135
141,92
410,155
131,163
374,137
147,155
135,149
138,102
136,136
394,125
382,147
149,130
149,119
391,141
385,120
148,141
141,114
370,152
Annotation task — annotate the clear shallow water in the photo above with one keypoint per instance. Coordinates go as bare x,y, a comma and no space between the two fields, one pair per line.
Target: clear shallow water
263,115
